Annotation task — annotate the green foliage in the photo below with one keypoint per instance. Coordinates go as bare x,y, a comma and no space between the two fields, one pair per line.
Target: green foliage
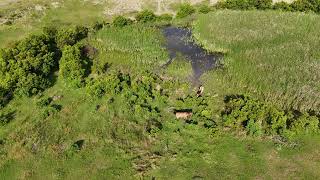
26,66
201,113
261,4
6,117
257,118
235,4
305,124
185,10
73,65
146,16
70,35
282,6
306,5
45,101
165,17
204,9
121,21
4,97
50,110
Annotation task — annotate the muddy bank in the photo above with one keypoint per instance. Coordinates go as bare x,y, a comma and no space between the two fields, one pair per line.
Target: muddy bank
179,41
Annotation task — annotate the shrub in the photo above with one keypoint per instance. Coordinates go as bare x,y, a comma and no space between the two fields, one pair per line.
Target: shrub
25,68
70,36
146,16
121,21
204,9
257,118
282,6
236,4
302,5
44,102
261,4
165,17
73,66
305,124
185,10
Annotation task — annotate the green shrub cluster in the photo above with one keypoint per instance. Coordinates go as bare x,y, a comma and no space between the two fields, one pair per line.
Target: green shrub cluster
297,5
165,17
282,6
73,65
137,97
121,21
146,16
306,5
25,68
204,9
71,35
201,113
245,4
185,10
257,118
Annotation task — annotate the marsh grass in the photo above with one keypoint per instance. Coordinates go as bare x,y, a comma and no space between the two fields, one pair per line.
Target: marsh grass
270,54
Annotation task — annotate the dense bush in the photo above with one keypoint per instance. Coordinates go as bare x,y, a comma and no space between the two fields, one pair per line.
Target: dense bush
121,21
146,16
261,4
282,6
185,10
70,36
204,9
306,5
257,118
25,68
73,65
165,17
235,4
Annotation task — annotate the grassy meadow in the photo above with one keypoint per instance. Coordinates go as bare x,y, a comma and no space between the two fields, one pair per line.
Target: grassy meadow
272,55
119,123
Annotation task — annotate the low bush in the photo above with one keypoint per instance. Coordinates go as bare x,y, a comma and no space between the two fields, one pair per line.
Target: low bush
146,16
235,4
121,21
282,6
261,4
257,118
165,17
204,9
185,10
70,36
303,5
25,68
73,66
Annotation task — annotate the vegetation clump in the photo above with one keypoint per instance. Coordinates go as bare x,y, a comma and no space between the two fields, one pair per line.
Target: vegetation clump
204,9
121,21
282,6
73,65
71,35
146,16
25,68
185,10
258,118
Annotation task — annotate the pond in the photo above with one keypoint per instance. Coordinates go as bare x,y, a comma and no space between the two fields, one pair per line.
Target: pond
179,41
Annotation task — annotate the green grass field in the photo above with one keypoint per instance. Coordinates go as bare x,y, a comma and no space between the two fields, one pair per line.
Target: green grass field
272,55
131,132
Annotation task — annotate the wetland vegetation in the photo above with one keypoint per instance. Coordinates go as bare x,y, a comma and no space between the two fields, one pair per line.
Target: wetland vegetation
89,96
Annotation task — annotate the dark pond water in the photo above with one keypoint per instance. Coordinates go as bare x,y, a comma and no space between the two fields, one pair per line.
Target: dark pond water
179,41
